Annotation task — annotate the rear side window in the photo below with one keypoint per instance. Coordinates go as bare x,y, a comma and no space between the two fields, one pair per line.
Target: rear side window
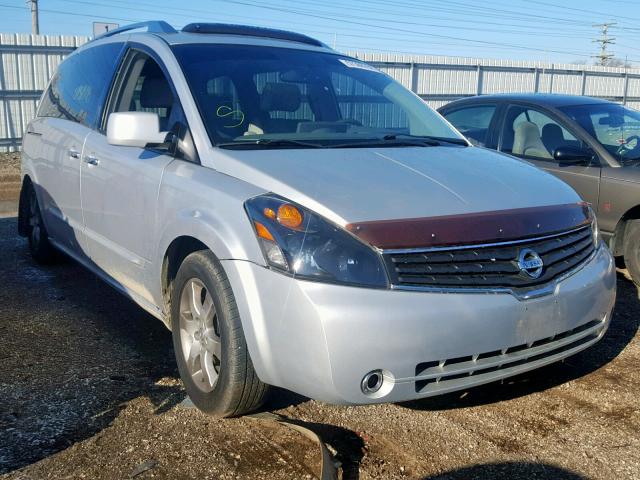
473,122
80,85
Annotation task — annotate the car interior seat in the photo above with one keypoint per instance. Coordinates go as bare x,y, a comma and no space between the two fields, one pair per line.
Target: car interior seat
552,137
155,94
278,97
527,141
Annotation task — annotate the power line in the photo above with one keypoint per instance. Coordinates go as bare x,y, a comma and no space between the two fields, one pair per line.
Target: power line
448,37
604,40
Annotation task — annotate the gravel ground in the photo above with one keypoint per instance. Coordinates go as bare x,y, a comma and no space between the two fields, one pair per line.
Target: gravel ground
9,181
89,389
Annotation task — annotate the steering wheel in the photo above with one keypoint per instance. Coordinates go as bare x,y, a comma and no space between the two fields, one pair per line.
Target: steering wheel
624,148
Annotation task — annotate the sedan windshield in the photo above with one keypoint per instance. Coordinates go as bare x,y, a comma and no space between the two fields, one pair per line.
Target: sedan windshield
616,127
266,97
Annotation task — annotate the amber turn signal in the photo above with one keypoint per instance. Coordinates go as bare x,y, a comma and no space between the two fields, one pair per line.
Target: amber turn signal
289,216
262,232
269,213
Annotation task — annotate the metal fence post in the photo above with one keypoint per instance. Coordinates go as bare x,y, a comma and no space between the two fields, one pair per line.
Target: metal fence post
414,77
480,85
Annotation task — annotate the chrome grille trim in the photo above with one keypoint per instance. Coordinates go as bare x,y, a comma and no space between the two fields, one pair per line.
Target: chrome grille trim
524,292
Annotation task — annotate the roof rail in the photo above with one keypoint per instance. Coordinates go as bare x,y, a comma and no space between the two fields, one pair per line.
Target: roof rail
231,29
153,26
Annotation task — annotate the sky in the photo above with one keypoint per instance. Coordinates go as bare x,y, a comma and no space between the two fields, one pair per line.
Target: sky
545,30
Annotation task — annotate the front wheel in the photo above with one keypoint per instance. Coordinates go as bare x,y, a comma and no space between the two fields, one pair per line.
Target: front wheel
209,342
632,250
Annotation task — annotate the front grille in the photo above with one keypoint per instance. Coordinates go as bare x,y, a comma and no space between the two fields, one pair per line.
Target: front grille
454,373
490,266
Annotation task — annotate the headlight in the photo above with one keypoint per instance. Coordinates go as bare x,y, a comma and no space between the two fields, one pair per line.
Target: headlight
303,244
595,232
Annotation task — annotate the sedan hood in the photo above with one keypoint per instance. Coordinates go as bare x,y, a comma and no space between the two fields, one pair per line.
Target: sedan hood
359,185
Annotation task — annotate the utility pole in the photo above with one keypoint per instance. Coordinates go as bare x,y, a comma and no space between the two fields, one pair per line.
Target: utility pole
35,21
604,40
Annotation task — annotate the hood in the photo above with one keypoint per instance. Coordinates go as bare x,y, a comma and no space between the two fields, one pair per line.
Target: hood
359,185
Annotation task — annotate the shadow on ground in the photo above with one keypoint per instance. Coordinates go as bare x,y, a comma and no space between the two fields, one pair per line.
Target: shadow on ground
74,351
508,471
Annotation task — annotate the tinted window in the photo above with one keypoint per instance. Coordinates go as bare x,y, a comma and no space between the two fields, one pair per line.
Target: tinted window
616,127
145,88
473,122
80,85
251,93
533,134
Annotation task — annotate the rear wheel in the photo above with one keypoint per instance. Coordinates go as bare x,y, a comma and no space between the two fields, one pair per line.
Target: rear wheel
632,250
208,340
41,248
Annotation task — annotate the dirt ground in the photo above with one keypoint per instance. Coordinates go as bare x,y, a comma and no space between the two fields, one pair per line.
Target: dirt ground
9,181
89,389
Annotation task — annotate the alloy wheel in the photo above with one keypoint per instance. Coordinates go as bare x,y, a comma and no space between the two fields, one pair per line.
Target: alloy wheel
199,334
34,218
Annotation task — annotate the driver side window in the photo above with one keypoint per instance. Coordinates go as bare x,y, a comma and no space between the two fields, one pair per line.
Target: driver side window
145,88
529,133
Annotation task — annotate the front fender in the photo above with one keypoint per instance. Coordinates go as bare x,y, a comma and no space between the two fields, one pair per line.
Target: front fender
198,202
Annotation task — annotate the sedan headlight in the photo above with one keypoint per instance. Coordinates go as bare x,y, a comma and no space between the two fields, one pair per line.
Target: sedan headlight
299,242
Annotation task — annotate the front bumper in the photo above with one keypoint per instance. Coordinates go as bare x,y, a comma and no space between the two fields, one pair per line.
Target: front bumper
320,340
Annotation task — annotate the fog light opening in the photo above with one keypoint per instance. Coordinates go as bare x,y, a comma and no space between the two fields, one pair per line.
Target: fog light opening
372,382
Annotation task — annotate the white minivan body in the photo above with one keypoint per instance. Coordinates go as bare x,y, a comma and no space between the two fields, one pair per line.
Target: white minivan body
299,219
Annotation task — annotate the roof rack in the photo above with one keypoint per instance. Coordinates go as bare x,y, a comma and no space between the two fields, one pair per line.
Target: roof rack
153,26
231,29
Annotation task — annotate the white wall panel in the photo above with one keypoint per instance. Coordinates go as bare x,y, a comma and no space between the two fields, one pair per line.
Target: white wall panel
28,61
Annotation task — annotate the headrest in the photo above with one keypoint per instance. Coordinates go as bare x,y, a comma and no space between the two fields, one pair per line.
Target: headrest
282,97
156,93
528,129
552,131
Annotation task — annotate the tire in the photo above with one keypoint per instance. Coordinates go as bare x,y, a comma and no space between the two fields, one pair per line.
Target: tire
40,246
632,250
209,342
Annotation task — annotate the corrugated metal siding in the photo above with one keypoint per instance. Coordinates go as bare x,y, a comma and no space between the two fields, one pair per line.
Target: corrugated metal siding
442,79
28,61
26,64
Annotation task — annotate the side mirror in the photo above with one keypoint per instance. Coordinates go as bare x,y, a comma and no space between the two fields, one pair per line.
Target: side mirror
134,129
567,156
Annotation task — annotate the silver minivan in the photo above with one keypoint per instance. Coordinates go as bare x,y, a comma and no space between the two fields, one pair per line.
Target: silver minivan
297,218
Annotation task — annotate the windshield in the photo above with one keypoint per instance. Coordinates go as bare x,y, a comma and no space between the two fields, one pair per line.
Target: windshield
616,127
280,97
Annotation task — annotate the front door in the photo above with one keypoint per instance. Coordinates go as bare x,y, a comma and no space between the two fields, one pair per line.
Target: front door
120,184
534,135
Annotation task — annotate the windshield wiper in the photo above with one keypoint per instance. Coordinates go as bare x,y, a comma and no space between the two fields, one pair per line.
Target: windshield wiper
389,141
269,142
436,140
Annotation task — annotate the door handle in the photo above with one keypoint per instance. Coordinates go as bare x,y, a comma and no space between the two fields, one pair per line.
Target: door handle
91,160
73,153
33,132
